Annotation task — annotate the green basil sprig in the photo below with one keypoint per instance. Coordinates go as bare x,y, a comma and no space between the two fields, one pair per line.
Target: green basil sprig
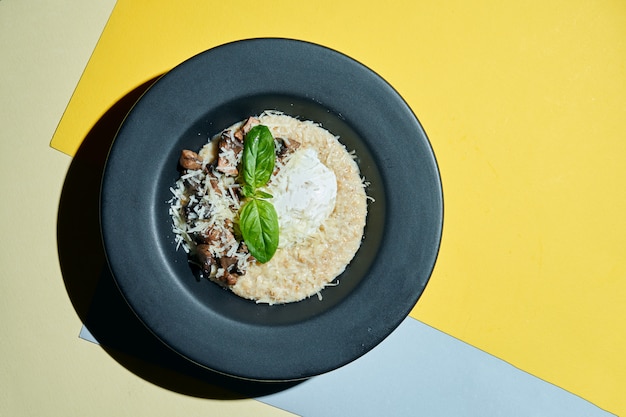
258,220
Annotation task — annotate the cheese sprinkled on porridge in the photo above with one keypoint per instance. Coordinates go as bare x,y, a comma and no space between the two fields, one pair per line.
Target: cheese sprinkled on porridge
317,192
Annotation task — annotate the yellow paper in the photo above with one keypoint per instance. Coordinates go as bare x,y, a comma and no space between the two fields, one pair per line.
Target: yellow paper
525,106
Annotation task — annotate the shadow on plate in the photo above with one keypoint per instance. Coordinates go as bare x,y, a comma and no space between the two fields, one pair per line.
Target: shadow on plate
94,294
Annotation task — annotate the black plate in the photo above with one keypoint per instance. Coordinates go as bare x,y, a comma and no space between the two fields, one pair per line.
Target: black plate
211,326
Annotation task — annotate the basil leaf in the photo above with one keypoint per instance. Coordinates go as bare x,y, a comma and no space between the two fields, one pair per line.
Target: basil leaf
258,222
258,156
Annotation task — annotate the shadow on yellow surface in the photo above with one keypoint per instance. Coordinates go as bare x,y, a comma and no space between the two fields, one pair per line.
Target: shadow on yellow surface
93,292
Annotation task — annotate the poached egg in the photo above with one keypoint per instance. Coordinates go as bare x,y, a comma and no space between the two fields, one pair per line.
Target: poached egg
304,194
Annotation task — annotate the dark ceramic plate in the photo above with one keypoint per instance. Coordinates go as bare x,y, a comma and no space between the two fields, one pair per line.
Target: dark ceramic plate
211,326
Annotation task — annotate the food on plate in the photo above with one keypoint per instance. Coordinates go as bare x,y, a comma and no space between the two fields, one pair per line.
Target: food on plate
273,208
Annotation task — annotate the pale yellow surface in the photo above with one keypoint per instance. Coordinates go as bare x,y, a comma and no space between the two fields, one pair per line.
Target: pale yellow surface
45,369
524,103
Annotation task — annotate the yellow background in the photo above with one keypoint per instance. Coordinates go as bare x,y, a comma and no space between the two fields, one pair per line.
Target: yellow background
524,103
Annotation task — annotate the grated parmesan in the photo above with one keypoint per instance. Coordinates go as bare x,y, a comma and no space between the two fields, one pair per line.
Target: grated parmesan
319,196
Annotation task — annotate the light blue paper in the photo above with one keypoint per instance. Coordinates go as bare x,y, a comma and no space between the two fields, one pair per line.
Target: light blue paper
86,335
420,371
